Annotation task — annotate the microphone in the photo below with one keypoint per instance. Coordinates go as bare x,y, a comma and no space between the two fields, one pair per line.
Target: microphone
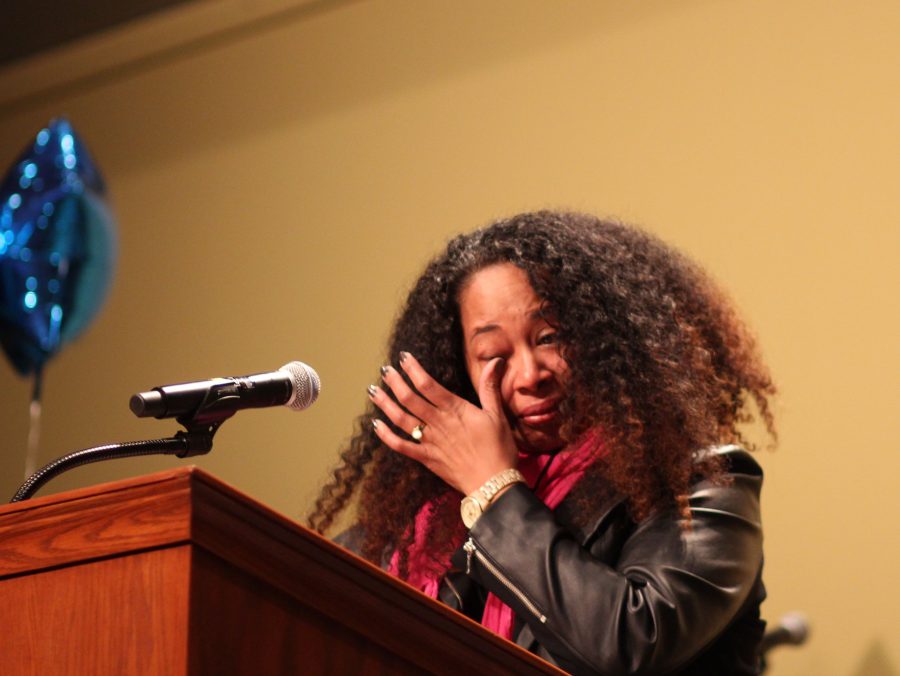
792,629
295,385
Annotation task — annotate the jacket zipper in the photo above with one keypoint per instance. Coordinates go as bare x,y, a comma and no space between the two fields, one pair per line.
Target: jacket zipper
470,549
455,593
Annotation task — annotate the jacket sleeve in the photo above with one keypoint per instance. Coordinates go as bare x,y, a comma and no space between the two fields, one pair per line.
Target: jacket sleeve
650,606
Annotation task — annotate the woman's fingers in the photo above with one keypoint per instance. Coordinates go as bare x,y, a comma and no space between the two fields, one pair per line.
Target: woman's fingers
389,407
405,395
399,444
431,389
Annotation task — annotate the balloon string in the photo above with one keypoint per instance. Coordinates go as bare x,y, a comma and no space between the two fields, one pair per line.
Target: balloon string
34,428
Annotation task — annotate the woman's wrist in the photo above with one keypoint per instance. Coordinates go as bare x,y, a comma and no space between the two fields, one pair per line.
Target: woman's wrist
478,501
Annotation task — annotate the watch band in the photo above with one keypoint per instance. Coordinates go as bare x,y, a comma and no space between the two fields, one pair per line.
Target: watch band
473,505
500,480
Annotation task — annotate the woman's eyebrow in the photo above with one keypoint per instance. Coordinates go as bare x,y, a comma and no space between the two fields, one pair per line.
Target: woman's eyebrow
483,329
539,313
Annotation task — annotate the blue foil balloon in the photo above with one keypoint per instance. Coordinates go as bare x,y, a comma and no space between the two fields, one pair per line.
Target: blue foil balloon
57,247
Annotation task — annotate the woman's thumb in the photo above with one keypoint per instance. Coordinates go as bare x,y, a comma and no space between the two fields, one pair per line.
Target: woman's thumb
489,386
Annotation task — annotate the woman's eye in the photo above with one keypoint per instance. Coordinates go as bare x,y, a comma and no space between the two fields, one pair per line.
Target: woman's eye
547,339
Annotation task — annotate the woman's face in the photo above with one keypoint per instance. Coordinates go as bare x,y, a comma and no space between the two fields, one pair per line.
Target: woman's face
501,317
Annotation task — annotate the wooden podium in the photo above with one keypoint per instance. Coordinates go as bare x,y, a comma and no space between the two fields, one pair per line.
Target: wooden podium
178,573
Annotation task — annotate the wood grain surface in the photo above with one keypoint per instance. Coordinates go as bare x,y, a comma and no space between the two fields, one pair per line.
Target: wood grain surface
179,573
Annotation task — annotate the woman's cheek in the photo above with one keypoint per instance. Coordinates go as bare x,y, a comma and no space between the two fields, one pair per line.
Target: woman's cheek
506,390
474,375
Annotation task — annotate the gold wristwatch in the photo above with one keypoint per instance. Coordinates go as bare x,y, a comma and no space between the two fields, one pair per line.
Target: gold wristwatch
474,504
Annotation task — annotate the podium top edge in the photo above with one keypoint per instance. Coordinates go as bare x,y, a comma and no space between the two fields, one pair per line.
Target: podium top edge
184,473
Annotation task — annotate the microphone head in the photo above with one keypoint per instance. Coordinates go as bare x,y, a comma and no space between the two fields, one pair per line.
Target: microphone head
305,385
797,627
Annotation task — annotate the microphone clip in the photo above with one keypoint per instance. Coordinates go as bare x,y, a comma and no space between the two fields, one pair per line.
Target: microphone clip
201,423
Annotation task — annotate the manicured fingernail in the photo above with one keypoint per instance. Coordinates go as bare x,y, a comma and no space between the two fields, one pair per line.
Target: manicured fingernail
375,422
384,370
371,389
404,356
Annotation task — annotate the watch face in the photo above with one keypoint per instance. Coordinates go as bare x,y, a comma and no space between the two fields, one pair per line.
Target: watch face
470,510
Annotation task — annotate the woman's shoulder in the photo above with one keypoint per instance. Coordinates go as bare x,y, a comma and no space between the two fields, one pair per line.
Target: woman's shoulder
736,492
737,460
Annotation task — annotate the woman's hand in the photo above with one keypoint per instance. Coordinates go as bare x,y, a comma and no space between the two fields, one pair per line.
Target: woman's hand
461,443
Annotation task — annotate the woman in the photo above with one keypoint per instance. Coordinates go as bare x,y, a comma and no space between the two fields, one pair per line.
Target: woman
583,385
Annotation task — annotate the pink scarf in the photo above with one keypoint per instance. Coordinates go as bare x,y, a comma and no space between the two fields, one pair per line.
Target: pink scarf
549,476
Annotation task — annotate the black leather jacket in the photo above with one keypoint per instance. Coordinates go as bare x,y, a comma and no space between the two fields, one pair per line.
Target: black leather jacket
625,598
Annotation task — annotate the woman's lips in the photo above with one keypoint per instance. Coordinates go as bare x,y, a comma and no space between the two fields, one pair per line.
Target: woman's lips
539,414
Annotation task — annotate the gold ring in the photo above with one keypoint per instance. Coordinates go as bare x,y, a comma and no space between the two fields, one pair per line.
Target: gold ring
417,432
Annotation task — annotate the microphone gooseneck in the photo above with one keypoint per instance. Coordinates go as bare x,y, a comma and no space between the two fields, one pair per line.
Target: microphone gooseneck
179,445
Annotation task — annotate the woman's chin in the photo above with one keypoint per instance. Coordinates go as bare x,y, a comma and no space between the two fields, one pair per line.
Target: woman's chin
537,442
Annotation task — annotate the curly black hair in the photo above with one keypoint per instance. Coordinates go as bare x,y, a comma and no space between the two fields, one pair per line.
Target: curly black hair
658,361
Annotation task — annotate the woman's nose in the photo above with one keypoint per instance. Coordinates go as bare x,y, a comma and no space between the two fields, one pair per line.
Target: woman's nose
526,372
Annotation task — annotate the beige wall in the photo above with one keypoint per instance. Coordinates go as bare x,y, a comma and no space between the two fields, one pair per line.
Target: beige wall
281,173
